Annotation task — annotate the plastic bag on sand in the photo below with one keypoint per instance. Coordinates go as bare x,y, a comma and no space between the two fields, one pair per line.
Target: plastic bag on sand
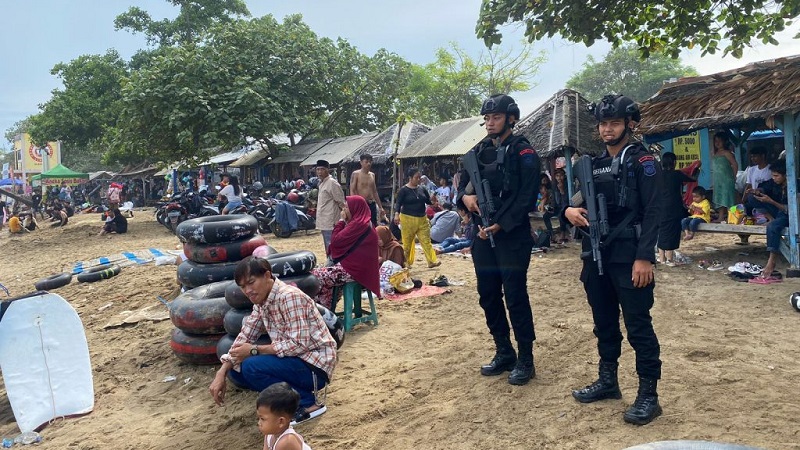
165,260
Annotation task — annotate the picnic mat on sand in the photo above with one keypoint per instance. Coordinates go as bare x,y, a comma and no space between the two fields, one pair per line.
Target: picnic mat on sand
122,259
424,291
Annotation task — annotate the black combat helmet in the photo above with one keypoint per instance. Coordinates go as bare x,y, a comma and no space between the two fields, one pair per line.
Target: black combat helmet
615,107
500,104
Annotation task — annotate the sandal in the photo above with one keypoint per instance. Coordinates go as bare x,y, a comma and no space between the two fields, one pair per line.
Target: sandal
715,266
765,280
303,415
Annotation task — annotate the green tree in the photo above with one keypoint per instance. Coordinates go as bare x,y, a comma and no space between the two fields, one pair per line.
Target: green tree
622,71
255,78
665,26
87,105
455,85
193,20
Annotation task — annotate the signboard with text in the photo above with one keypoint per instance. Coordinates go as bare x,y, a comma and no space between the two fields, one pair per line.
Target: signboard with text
686,149
32,156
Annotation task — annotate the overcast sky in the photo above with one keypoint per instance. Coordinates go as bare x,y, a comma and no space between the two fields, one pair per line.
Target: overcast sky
37,34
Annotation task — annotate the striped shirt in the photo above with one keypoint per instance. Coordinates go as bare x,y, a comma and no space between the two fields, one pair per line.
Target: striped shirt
295,326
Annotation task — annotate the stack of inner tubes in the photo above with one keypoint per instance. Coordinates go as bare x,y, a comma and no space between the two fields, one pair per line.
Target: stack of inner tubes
213,245
198,315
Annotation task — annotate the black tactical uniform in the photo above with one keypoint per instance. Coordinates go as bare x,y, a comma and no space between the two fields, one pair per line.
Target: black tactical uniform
630,183
513,171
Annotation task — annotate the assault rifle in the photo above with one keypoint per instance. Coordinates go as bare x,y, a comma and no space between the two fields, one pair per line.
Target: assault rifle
481,188
596,208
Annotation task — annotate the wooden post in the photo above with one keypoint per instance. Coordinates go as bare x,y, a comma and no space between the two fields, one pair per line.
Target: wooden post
395,163
568,169
790,127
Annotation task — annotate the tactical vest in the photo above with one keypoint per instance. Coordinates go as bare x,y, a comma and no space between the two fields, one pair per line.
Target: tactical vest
495,167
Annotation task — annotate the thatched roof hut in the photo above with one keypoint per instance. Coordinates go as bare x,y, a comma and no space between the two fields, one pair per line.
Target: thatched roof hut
382,146
561,122
748,97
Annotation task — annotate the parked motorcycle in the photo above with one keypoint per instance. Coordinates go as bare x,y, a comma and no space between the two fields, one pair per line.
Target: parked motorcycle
304,222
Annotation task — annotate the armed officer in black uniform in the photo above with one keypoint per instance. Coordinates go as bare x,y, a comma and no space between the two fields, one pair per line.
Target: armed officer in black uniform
512,170
629,177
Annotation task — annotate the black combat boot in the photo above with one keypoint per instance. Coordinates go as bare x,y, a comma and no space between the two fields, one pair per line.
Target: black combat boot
605,387
504,358
523,370
646,407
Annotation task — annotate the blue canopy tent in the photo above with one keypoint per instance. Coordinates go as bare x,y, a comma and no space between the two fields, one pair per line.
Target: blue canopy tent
759,96
9,182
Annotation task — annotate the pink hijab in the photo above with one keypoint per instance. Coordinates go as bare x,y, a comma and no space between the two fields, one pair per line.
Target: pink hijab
362,261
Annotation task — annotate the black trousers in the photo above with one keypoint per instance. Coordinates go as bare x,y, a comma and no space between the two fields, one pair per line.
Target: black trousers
609,293
503,270
373,210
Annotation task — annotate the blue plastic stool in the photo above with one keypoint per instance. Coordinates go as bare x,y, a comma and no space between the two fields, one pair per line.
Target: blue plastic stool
353,313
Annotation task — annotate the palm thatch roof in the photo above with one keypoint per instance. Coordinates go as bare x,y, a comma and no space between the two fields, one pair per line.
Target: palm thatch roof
382,146
750,96
561,122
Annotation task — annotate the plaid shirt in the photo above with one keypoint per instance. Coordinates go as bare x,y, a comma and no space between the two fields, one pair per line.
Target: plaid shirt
295,326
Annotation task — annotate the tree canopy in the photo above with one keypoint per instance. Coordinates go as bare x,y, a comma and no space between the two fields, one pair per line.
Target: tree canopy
213,78
455,85
664,26
193,20
256,78
622,71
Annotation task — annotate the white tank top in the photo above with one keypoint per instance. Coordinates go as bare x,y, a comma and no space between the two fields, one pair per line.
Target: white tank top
289,430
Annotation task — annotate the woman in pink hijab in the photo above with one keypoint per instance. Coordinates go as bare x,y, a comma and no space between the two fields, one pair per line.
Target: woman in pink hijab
353,251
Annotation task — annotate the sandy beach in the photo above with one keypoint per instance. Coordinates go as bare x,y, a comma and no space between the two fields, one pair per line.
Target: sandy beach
729,351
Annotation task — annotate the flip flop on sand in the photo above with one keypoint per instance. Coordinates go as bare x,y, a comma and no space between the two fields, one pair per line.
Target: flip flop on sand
765,280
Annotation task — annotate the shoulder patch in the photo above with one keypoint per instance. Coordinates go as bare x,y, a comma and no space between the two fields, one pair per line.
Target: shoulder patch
649,167
646,158
528,157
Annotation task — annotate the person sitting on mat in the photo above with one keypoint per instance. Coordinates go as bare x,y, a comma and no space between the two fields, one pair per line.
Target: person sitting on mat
353,252
389,248
276,407
302,352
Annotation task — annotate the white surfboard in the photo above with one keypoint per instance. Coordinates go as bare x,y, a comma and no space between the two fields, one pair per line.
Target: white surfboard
44,358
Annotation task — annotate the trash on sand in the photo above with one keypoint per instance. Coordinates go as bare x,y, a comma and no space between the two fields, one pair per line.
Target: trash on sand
169,378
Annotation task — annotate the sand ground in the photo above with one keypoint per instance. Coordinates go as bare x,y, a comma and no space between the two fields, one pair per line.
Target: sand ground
729,350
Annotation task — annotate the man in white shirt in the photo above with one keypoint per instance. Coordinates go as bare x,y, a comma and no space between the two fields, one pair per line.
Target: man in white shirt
330,202
759,171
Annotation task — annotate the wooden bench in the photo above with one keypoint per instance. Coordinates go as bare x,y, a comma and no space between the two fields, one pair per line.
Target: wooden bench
743,231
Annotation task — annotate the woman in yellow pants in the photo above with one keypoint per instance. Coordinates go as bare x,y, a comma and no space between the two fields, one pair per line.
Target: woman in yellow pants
410,215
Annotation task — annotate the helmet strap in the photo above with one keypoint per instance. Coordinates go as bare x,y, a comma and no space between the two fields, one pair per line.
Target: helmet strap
621,136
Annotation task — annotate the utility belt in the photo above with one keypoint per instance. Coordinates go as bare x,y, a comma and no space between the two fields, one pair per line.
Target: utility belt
631,232
628,233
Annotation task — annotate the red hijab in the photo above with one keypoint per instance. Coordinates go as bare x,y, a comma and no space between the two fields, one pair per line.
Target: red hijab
362,261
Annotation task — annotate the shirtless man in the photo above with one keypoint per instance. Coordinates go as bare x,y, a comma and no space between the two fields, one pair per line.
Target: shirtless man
362,183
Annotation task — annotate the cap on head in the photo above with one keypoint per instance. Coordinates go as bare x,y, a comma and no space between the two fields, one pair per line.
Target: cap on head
324,164
615,107
500,104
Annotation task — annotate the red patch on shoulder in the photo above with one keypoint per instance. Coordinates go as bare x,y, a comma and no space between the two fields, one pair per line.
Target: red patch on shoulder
646,158
526,151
